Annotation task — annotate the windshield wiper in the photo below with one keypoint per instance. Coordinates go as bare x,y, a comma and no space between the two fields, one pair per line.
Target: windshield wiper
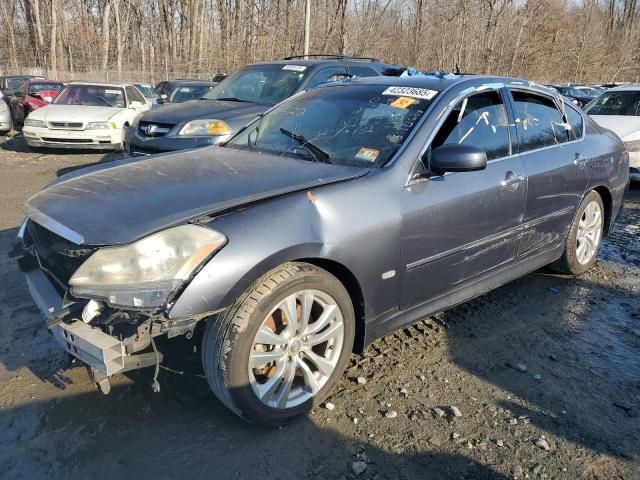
233,99
318,153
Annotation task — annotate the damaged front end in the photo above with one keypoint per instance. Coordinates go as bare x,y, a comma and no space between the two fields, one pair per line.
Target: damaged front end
105,305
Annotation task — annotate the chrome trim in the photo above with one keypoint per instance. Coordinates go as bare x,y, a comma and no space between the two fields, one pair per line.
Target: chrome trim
56,227
23,228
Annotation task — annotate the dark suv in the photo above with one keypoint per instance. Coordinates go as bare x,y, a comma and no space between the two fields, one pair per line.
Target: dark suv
238,99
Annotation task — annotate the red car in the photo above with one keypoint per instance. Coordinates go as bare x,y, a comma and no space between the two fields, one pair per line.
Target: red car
32,95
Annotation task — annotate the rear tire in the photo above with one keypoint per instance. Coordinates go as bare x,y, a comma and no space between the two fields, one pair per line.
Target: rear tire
306,357
584,237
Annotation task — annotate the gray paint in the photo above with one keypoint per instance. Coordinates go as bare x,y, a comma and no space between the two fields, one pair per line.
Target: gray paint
448,237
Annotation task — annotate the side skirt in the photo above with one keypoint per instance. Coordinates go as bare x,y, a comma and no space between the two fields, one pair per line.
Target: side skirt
396,319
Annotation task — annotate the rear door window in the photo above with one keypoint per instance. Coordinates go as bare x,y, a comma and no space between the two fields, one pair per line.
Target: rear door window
539,123
479,120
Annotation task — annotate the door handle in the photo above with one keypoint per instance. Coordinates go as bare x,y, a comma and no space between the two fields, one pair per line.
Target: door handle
579,160
512,179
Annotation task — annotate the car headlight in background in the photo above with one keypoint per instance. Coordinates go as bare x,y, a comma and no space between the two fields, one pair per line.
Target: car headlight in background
29,122
144,273
204,128
100,125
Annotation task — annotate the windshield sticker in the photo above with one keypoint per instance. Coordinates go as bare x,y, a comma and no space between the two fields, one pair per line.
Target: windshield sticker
403,102
367,154
295,68
113,92
422,93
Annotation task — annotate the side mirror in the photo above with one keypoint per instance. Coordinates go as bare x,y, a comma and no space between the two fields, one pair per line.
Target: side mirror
456,157
136,104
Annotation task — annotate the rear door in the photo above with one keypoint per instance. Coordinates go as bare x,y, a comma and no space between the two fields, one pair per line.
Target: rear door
326,75
460,227
556,165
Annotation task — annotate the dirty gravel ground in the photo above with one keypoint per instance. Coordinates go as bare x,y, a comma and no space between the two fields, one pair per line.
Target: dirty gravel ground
574,412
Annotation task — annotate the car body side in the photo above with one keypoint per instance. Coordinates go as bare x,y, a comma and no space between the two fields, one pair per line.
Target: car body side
354,229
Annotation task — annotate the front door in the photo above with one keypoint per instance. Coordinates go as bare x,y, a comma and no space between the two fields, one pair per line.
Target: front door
460,227
556,166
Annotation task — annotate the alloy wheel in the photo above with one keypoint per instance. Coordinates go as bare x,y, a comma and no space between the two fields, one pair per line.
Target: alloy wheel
589,233
296,349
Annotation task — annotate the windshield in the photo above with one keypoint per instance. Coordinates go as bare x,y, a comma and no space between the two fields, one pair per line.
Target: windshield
616,103
15,83
92,96
188,92
263,84
43,87
147,91
358,125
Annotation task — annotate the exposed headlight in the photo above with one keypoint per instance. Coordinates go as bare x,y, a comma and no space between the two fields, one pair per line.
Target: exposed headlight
633,146
144,273
29,122
100,125
204,128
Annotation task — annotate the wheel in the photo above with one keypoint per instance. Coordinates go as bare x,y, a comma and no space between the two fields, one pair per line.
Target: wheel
585,235
282,346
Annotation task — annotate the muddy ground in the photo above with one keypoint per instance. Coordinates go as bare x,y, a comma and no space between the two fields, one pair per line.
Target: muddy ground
574,412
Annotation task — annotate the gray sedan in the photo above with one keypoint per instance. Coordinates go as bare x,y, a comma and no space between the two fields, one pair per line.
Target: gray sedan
344,213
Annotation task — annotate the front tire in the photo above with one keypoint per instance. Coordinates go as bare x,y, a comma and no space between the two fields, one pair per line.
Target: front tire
278,351
584,238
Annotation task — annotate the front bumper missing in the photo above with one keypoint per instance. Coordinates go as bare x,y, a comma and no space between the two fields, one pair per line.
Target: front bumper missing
100,351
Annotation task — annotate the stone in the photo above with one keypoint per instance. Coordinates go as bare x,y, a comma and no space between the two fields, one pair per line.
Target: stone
455,411
391,414
358,468
329,406
543,444
361,380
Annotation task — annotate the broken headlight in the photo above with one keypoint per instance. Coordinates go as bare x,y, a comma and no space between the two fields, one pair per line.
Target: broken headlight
144,273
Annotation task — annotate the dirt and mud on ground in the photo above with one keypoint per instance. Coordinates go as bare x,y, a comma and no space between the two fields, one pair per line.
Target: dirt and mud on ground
538,379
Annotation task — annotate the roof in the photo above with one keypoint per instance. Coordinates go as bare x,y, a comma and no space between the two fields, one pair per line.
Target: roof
631,88
102,84
320,61
191,82
436,82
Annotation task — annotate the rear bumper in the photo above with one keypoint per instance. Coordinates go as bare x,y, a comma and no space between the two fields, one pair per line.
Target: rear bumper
75,139
104,353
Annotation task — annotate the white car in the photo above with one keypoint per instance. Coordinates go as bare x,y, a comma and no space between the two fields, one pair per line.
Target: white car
85,115
5,117
618,109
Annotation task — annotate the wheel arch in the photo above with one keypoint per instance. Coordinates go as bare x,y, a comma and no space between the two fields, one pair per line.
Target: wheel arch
352,285
607,201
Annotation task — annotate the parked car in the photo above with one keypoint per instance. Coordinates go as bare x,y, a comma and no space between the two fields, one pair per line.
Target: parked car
619,110
6,125
149,93
179,91
85,115
579,96
10,83
236,100
33,94
344,213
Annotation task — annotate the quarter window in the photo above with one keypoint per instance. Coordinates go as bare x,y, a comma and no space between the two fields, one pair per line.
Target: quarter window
479,120
538,121
575,120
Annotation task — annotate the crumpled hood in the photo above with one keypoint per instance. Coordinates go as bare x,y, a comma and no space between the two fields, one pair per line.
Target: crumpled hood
123,201
627,127
235,114
74,113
